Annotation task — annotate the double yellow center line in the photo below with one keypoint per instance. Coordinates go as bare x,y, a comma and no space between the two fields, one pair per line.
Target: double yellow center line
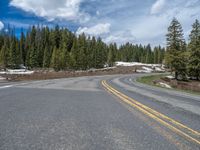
170,123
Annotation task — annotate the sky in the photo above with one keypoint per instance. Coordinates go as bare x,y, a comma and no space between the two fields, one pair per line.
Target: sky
120,21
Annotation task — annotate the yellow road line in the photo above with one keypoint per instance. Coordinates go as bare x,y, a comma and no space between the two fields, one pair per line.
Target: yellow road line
157,113
154,114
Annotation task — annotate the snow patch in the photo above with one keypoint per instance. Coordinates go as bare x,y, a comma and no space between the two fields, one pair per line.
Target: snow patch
17,72
145,70
2,78
129,64
170,77
164,85
159,69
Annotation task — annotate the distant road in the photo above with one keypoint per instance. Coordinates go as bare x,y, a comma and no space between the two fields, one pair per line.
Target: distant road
97,113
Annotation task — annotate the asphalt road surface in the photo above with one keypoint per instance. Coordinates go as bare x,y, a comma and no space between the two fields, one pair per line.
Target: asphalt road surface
87,114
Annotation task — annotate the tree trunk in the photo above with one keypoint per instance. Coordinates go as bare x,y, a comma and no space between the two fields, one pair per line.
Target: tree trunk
176,75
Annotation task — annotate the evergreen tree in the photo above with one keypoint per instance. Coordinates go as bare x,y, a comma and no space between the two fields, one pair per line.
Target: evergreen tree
101,56
4,55
194,49
149,54
22,47
46,57
175,56
112,54
55,59
56,37
32,56
64,53
13,53
74,54
81,55
61,49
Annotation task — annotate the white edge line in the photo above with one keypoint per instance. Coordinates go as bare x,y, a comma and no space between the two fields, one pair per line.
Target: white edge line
7,86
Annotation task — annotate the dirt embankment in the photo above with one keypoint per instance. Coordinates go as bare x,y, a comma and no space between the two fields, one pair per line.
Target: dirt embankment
190,85
49,74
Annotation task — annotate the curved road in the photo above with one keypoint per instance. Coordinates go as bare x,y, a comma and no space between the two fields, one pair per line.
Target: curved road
87,114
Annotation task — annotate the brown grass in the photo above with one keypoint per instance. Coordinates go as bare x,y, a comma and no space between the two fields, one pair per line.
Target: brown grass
49,74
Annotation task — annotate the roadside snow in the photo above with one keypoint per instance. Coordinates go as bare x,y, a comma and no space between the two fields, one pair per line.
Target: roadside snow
17,72
145,70
170,77
2,78
129,64
159,69
164,85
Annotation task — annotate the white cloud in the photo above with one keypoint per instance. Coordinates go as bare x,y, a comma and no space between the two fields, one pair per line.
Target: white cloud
157,7
120,37
1,25
143,24
54,9
153,28
96,30
192,3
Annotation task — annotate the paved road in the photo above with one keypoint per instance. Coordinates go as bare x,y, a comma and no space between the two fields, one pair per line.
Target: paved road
78,113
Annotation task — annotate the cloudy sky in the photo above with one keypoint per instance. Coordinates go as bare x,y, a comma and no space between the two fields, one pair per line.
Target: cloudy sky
137,21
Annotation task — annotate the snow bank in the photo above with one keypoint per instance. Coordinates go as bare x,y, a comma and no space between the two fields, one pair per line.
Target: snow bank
159,69
17,72
2,78
170,77
129,64
145,70
164,85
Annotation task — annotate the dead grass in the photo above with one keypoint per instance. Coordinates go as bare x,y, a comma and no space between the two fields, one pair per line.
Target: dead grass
50,74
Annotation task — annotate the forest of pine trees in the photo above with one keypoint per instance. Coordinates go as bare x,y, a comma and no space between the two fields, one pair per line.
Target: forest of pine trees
182,58
58,48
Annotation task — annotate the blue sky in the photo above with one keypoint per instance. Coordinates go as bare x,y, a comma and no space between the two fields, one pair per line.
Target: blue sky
136,21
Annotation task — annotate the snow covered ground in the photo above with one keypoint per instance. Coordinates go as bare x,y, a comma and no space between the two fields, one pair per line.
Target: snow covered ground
146,68
170,77
17,72
129,64
164,85
2,78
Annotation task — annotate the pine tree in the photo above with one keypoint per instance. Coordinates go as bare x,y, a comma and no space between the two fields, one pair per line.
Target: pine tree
56,36
64,53
194,49
4,56
18,59
22,47
46,57
13,53
175,56
55,59
74,54
149,55
112,54
81,55
32,56
101,56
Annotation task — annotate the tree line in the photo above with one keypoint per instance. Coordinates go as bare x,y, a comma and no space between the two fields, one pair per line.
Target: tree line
59,48
183,58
